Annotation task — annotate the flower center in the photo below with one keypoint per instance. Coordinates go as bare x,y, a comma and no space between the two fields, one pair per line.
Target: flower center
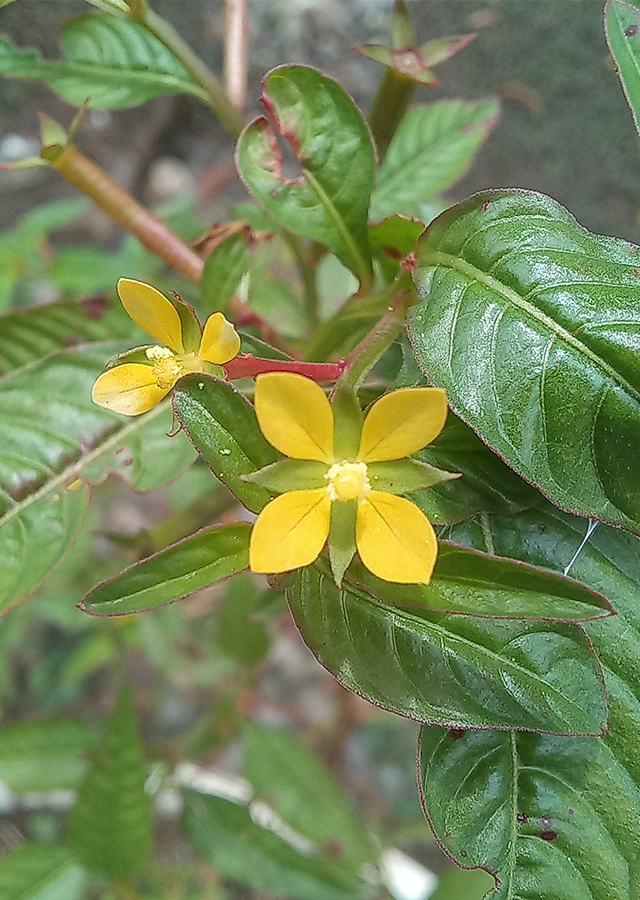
347,481
167,367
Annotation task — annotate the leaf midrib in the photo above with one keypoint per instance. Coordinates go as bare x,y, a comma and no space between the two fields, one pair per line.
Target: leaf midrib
436,258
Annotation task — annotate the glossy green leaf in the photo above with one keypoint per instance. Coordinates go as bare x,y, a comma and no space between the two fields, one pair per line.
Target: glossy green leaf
30,334
110,827
432,148
622,28
223,427
553,816
41,755
225,834
193,563
52,436
304,794
223,269
114,61
40,872
531,324
239,633
451,670
327,197
474,583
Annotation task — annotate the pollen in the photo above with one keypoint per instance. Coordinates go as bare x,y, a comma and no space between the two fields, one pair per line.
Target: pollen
347,481
166,367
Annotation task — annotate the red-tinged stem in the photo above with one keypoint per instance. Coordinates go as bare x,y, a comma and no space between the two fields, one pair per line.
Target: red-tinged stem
248,366
150,230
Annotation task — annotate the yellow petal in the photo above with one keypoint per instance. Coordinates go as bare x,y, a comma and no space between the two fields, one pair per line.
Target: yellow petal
152,312
295,416
220,341
290,531
402,422
129,389
395,539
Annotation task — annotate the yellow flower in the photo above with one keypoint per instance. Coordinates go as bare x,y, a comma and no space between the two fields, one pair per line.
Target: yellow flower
394,538
134,387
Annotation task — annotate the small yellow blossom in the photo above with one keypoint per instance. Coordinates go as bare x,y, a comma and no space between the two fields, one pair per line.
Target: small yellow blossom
394,538
135,387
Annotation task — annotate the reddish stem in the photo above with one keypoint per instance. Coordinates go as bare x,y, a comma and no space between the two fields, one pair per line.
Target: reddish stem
248,366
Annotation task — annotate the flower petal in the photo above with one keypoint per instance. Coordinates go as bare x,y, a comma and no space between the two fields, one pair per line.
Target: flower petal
402,422
220,341
129,389
290,531
152,312
295,416
395,539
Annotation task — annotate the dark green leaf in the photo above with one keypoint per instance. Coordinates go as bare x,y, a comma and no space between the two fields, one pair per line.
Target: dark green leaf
115,62
193,563
473,583
224,429
40,872
328,201
43,755
622,27
531,324
456,671
110,827
304,794
52,435
239,634
223,269
226,835
432,148
553,816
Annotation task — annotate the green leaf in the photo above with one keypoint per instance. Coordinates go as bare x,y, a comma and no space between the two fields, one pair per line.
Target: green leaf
458,884
239,633
531,325
110,827
30,334
432,148
52,434
392,240
193,563
40,872
562,811
328,199
223,427
473,583
43,755
622,28
226,835
456,671
115,62
304,794
223,269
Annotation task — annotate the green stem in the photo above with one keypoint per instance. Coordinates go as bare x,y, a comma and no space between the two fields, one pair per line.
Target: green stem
389,106
372,347
485,524
230,117
308,276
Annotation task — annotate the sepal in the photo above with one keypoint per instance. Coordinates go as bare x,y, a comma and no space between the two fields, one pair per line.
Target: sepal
289,475
404,476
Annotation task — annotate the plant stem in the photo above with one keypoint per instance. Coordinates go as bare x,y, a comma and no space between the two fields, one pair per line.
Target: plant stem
235,51
371,348
308,276
247,366
230,117
150,230
389,106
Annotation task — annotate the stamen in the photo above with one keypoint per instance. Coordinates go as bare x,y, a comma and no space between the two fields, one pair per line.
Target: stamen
347,481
